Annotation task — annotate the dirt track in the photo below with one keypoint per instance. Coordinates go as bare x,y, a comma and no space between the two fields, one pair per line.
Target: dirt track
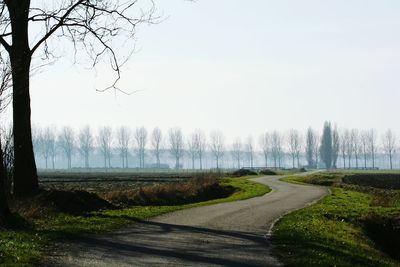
227,234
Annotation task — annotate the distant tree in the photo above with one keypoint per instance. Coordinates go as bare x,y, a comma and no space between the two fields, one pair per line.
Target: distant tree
141,141
294,141
156,143
124,139
48,141
389,145
66,141
364,146
192,148
343,137
53,147
217,146
326,150
176,145
356,144
201,144
85,144
311,143
265,143
237,151
250,150
335,147
349,147
372,147
104,142
276,148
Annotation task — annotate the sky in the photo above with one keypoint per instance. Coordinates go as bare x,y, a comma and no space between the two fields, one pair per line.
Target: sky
243,67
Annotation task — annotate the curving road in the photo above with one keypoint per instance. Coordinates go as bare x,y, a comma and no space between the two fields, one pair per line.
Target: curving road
226,234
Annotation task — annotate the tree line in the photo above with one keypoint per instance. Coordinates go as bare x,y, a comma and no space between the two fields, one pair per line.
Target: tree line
141,148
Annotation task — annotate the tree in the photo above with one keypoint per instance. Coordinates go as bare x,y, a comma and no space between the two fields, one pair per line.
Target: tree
372,147
85,144
48,143
250,150
389,145
237,152
201,144
141,141
343,137
156,143
5,76
349,147
335,147
326,145
265,143
90,25
176,145
104,141
276,148
364,147
66,141
294,146
192,148
217,146
356,144
311,143
124,139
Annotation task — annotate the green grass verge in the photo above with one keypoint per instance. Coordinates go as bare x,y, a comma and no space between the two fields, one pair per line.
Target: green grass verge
25,247
330,233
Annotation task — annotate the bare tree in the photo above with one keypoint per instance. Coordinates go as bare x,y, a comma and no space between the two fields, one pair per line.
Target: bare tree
364,147
192,148
344,137
66,141
389,145
156,143
48,141
141,141
104,141
335,147
311,143
176,145
357,146
124,139
237,151
349,147
265,143
92,27
201,145
294,146
372,147
217,146
250,150
85,144
276,148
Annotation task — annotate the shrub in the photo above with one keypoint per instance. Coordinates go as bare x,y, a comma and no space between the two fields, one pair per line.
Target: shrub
243,172
267,172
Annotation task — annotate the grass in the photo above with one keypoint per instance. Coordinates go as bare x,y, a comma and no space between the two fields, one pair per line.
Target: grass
332,232
26,247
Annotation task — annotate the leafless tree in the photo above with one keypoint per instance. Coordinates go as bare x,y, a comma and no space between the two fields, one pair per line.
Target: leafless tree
85,144
372,147
156,143
265,143
349,147
316,149
201,145
276,148
237,151
192,149
294,139
356,144
176,145
66,141
48,141
364,146
92,27
217,146
141,141
344,137
104,142
335,147
124,139
250,150
389,145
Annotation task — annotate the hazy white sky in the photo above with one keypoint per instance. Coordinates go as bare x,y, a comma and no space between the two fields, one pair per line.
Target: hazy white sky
243,67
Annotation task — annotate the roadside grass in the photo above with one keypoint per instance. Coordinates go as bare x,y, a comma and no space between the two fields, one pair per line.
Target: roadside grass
26,247
332,232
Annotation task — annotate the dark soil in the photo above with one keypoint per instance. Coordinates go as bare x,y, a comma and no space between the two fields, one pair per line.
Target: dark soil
243,172
378,180
267,172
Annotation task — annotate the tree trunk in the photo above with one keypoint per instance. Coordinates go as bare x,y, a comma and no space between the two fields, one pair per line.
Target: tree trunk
25,173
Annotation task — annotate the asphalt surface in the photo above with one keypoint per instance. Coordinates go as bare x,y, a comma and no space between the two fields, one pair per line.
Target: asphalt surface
226,234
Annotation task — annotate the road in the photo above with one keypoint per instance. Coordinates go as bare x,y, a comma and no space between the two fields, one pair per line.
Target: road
226,234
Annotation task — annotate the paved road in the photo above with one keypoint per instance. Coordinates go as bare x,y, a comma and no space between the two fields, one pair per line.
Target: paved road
226,234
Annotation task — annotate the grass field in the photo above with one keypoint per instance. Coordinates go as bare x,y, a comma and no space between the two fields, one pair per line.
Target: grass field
27,246
333,232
